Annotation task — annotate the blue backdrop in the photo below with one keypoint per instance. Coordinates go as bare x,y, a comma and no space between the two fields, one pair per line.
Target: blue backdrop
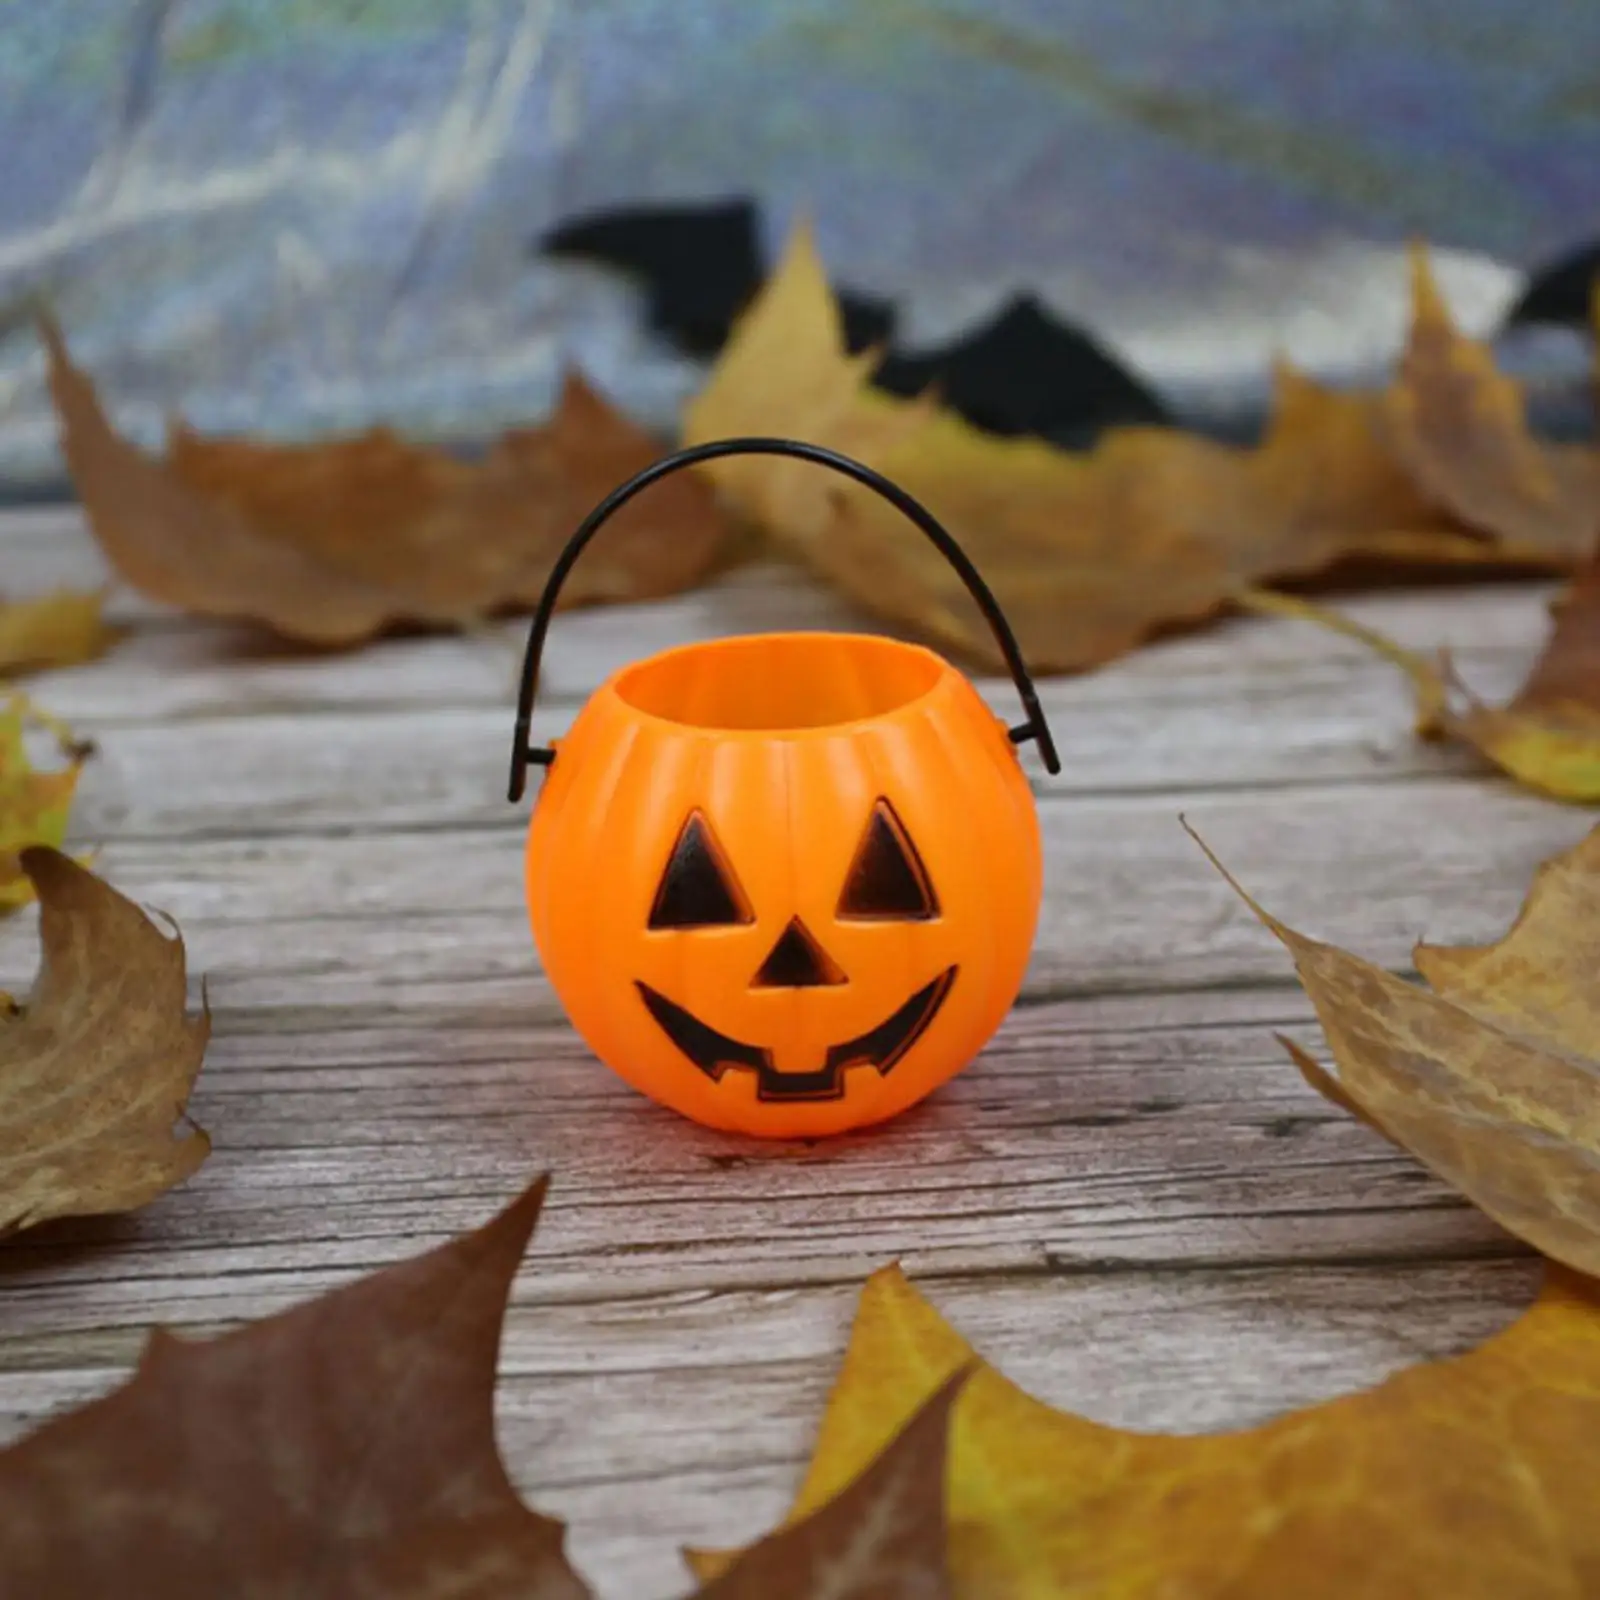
301,215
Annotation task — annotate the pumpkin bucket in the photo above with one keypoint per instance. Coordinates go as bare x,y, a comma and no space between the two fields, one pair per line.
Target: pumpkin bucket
785,884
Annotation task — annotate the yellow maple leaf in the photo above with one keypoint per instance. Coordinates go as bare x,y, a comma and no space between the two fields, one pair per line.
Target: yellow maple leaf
1471,1477
52,630
785,372
33,804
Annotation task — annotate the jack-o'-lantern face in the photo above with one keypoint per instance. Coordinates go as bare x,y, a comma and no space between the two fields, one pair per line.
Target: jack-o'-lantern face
786,885
887,882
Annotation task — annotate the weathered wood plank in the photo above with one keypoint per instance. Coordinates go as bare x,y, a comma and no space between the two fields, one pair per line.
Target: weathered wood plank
47,546
187,668
175,666
273,772
1092,1135
211,732
1132,1201
433,921
685,1418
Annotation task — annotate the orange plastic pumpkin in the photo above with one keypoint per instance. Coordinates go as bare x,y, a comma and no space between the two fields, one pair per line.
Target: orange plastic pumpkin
785,884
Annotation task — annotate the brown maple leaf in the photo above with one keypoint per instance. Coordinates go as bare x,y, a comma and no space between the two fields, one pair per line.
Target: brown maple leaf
882,1537
1458,427
95,1069
343,1449
1089,554
1490,1076
1471,1477
330,543
1547,736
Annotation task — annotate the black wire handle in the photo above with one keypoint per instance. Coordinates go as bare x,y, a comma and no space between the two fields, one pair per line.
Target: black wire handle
522,752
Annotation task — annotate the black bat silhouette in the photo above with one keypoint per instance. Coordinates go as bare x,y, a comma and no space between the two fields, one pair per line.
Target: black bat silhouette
1024,371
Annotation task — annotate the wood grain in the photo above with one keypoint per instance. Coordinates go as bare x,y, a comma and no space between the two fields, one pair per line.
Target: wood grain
431,918
1088,1138
1131,1201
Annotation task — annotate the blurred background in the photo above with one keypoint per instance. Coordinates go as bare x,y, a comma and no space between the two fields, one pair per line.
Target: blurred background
301,216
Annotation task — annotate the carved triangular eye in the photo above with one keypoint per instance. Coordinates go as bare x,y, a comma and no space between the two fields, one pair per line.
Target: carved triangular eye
887,879
698,889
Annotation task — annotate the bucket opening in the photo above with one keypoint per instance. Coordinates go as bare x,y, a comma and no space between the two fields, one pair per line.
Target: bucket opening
777,682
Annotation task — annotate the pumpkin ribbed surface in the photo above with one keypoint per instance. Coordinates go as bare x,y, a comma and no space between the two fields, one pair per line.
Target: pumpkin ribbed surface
787,884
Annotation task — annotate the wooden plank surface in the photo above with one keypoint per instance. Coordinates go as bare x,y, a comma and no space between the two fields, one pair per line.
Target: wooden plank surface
1131,1201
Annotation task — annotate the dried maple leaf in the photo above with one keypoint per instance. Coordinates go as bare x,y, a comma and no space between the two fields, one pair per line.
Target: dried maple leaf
330,543
1548,736
1491,1075
882,1537
1088,553
787,372
1471,1477
52,630
344,1448
95,1069
33,805
1458,427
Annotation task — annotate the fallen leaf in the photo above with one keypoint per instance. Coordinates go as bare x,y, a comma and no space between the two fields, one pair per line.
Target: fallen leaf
1490,1076
1458,428
330,543
1548,736
786,372
344,1448
96,1067
1088,553
1471,1477
882,1537
33,805
52,630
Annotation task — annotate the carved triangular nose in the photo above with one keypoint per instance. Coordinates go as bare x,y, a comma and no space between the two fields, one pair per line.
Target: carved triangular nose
797,961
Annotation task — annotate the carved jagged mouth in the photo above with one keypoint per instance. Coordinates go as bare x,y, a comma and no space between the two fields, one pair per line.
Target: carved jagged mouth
714,1053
